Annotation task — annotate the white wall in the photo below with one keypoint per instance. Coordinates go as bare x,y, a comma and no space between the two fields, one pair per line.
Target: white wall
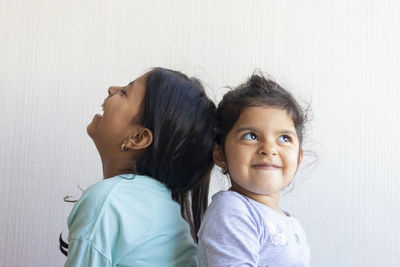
59,57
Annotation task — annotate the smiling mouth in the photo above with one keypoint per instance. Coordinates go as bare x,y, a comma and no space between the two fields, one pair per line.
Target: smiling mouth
103,106
265,166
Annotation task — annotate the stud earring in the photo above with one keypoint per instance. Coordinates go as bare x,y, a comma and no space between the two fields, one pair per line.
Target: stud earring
124,148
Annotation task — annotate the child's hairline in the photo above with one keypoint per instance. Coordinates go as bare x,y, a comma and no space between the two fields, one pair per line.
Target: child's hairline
258,103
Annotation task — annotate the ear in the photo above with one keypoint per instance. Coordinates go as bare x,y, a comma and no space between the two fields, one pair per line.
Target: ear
140,138
219,157
301,154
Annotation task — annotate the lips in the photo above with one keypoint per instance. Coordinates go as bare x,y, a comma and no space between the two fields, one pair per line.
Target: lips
103,106
265,166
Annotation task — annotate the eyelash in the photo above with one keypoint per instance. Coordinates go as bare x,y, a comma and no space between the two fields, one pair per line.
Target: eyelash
289,139
286,138
123,91
251,134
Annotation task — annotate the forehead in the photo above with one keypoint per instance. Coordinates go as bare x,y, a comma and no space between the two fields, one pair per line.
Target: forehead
264,117
138,86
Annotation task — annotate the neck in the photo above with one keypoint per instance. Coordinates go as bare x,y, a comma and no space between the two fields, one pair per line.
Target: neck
117,165
270,200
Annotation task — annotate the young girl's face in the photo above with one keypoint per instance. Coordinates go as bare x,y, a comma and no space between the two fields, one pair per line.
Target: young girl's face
262,151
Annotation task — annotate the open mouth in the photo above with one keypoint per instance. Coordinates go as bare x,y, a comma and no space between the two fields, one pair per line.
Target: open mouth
103,108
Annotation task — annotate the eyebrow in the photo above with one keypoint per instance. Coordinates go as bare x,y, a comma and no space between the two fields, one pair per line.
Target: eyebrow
246,129
132,82
288,132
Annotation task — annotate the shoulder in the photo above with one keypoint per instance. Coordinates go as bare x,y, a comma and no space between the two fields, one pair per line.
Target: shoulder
229,198
87,209
230,209
122,183
123,197
230,203
96,193
119,189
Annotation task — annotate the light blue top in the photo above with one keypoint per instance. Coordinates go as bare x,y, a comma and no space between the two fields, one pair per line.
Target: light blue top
129,220
238,231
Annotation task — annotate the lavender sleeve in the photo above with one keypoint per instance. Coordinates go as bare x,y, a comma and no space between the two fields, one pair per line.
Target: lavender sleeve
230,233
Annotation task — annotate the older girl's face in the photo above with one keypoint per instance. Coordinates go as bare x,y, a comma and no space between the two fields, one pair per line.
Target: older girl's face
121,112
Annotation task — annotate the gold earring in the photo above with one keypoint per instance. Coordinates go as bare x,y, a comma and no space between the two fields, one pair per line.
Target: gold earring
224,170
124,148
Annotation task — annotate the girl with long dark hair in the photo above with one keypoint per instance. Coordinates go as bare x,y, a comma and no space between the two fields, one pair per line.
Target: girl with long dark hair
155,142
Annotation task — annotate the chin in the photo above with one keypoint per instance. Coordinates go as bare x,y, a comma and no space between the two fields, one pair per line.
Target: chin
90,130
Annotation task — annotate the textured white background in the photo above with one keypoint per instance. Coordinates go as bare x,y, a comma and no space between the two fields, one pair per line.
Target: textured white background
59,57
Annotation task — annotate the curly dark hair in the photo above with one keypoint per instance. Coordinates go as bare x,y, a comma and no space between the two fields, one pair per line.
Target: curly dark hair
257,91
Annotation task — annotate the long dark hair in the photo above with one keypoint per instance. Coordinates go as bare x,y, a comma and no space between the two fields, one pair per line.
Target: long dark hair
181,118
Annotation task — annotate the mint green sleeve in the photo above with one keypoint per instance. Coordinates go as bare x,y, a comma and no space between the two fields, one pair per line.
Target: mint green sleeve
83,253
82,222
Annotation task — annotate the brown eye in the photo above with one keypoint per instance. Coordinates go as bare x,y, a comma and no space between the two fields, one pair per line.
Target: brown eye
285,138
123,91
250,136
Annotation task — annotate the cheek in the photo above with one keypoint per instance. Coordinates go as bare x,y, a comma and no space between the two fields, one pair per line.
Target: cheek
292,161
238,160
109,131
116,119
234,155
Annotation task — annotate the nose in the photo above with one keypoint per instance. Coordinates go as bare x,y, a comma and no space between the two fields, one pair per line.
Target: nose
268,149
112,90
